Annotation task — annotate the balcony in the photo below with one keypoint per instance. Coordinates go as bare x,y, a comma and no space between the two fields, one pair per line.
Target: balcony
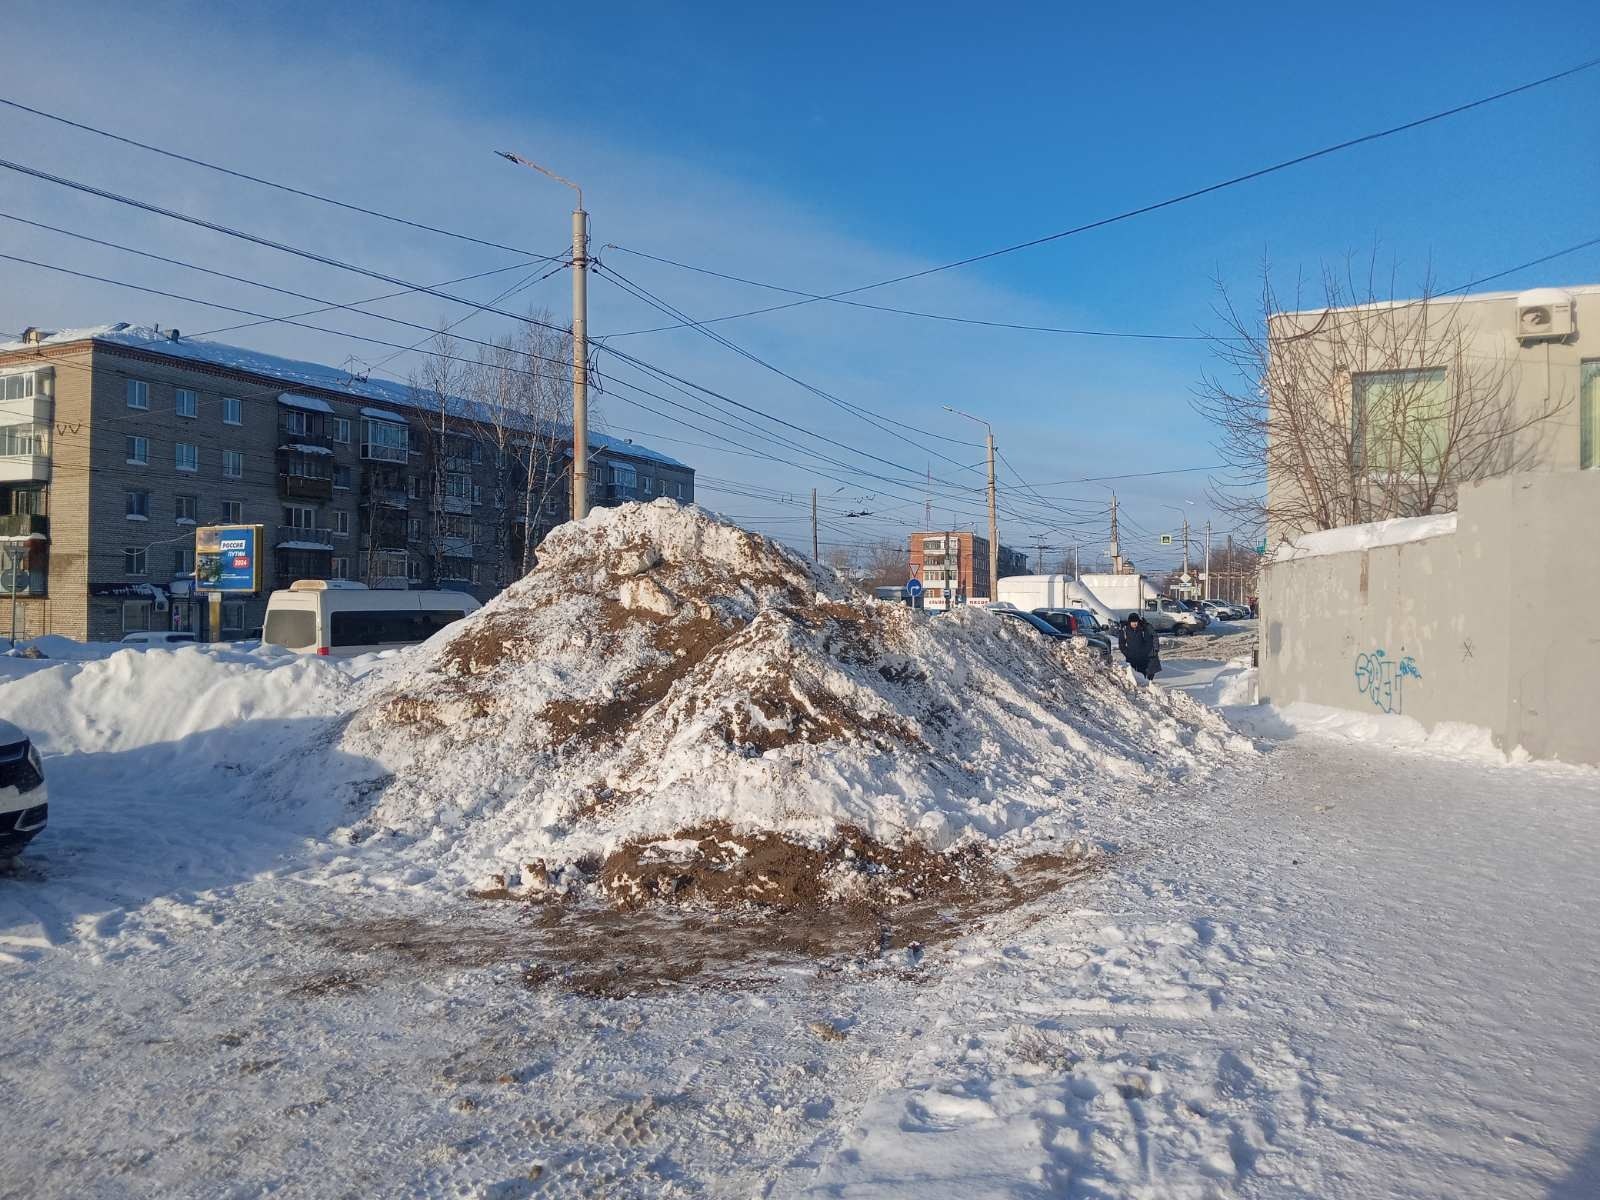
317,440
305,487
383,528
24,468
298,537
24,525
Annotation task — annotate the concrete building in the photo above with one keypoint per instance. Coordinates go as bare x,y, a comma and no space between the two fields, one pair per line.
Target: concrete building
1534,354
117,441
954,566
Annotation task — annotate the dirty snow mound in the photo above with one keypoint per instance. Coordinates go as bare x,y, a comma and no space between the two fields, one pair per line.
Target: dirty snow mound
663,671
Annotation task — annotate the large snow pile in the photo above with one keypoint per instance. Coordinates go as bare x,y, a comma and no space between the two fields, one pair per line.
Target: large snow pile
1346,539
665,681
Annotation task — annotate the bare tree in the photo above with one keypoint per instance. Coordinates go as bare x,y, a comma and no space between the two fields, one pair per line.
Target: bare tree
1359,408
519,395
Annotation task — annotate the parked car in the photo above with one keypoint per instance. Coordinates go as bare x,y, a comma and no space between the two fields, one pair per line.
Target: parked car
1077,622
24,805
1027,618
158,637
340,619
1166,615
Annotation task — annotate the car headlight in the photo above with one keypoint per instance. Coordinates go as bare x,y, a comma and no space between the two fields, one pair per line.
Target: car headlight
34,760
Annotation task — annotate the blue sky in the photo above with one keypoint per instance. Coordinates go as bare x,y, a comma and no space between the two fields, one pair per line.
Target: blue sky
820,147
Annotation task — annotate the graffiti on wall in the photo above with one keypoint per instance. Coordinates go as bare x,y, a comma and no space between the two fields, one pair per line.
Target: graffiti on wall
1381,679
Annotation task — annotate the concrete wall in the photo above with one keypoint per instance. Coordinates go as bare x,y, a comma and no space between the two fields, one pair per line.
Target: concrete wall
1494,625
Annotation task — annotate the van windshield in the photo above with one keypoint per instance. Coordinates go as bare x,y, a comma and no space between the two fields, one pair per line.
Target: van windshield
292,627
379,628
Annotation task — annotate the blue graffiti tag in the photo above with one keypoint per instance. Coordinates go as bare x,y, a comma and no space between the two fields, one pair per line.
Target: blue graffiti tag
1378,677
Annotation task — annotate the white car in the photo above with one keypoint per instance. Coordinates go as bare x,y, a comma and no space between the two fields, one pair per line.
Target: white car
24,804
159,637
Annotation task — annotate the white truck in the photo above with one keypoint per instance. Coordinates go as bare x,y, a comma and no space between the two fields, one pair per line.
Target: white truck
1124,594
1029,592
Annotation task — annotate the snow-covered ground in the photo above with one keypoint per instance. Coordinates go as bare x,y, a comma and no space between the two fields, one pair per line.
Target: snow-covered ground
1331,969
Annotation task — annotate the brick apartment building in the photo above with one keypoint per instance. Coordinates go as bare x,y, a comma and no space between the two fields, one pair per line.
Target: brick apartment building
116,442
954,566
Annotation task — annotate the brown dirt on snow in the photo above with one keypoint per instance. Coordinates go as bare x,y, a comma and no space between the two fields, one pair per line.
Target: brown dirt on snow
615,952
725,868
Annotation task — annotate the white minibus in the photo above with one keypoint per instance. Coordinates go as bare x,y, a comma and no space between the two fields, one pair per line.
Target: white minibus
339,619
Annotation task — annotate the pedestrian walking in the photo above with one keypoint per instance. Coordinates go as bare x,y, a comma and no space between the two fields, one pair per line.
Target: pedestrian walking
1140,646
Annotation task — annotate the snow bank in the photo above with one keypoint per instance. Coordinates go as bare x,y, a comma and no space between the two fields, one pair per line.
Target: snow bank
662,671
1449,739
1350,538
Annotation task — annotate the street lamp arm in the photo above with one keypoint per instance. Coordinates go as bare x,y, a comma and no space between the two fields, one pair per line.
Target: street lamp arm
520,161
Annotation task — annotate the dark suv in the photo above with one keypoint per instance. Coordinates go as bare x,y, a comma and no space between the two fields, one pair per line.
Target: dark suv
23,807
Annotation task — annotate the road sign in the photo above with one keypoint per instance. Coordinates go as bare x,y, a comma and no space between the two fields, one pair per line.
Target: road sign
1166,539
914,588
1187,579
227,558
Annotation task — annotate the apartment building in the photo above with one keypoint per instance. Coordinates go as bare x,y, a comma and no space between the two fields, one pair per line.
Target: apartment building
1384,410
953,566
117,442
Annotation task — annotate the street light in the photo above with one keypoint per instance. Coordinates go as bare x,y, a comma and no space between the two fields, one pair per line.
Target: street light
994,529
580,338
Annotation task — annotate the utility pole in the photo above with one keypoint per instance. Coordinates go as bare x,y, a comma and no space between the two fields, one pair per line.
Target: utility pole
815,557
1206,592
580,339
994,528
1076,575
1229,597
1116,545
1186,544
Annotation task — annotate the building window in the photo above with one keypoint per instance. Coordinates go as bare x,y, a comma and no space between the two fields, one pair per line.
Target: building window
138,394
137,615
416,487
457,487
187,457
1402,421
233,616
384,441
232,411
186,403
341,478
414,529
683,491
341,431
185,509
16,387
341,523
232,464
182,562
295,422
299,516
138,505
233,512
623,475
138,450
413,569
1589,416
341,568
132,560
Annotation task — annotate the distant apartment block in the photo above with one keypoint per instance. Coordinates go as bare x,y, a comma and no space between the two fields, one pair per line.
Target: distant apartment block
954,566
116,442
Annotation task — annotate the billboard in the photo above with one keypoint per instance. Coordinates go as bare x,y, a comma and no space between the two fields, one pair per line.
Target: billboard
227,558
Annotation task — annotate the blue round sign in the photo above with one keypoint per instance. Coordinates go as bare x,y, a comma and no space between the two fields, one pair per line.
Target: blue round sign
914,588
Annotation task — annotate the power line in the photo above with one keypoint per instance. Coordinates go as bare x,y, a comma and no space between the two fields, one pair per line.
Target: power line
888,308
282,187
1181,198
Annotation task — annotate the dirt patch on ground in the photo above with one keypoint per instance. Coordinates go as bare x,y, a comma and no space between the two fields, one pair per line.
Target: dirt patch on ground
714,866
615,952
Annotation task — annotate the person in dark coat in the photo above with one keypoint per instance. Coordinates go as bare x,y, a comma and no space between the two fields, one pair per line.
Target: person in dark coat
1139,646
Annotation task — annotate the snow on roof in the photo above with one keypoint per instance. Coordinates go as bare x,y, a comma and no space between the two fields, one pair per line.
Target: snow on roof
1579,289
294,371
305,449
1352,538
382,414
305,546
310,403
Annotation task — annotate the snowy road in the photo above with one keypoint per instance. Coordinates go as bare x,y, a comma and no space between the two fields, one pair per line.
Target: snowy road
1340,971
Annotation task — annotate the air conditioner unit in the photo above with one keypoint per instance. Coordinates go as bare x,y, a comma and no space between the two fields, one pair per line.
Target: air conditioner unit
1544,314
